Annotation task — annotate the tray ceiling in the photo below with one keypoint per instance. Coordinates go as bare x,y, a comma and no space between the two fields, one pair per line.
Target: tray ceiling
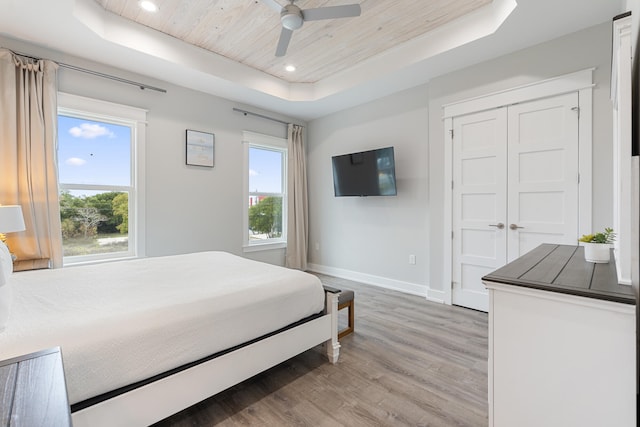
247,31
84,32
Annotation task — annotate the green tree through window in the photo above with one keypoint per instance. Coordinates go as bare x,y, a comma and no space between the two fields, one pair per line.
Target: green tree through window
265,217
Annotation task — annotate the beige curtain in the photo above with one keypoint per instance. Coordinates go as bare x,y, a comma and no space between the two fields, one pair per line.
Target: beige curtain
28,171
297,212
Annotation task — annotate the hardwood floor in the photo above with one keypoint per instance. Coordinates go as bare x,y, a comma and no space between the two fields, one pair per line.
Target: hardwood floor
410,362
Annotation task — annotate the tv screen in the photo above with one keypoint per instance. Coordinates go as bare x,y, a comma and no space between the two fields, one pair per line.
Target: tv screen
366,173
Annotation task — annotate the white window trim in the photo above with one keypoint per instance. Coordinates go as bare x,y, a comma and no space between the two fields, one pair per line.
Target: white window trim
622,172
78,106
250,139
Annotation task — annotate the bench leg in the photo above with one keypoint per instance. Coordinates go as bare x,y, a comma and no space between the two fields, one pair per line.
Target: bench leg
350,327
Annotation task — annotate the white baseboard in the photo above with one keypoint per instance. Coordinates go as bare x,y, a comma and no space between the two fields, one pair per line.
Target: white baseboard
382,282
435,295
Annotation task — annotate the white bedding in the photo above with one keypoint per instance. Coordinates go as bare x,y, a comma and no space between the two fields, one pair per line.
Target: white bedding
122,322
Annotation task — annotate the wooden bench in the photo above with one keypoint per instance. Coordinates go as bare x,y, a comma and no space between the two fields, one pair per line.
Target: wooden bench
345,300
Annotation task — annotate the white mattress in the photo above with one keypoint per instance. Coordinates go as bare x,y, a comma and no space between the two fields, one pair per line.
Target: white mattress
125,321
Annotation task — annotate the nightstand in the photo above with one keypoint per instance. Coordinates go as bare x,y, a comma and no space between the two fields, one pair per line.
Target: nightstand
33,391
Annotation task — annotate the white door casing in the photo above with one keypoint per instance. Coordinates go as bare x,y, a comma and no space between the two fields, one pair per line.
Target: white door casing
515,186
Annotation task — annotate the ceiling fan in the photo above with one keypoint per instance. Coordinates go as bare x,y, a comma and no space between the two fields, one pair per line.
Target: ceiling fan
292,18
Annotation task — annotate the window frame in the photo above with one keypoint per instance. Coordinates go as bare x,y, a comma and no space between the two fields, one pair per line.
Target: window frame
267,142
136,119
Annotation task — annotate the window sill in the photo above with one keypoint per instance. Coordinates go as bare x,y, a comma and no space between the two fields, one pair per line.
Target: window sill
264,246
88,261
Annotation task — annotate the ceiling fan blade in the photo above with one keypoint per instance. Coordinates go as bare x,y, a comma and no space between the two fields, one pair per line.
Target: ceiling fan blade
273,4
283,43
331,12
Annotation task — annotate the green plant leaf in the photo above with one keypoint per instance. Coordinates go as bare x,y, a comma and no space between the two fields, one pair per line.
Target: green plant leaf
606,237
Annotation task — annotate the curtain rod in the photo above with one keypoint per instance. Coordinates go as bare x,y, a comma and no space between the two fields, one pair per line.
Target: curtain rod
142,86
260,115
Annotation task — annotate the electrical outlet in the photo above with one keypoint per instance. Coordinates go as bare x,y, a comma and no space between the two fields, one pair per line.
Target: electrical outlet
317,246
412,259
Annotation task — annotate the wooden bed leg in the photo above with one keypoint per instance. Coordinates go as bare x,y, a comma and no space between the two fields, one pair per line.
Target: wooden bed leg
332,345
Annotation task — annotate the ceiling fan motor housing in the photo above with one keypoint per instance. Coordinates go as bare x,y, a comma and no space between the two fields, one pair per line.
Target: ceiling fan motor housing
291,17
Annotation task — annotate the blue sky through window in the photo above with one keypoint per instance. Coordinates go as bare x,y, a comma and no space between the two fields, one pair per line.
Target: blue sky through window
265,170
91,152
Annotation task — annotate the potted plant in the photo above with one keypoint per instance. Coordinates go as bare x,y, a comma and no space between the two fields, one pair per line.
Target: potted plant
597,246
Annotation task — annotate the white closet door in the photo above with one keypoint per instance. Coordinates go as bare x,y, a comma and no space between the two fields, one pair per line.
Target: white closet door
543,174
479,203
515,173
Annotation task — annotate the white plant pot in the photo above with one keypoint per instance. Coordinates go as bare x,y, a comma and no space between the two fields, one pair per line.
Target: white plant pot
597,252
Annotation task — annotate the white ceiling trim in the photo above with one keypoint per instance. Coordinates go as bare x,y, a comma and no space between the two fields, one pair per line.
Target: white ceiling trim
120,31
471,27
115,29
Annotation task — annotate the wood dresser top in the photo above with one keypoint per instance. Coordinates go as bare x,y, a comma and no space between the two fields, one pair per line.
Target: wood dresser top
33,391
562,269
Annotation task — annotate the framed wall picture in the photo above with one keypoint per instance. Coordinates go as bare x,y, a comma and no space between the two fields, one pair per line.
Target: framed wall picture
200,148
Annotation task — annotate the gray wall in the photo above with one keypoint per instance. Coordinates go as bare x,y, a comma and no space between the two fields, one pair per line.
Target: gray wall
371,239
188,208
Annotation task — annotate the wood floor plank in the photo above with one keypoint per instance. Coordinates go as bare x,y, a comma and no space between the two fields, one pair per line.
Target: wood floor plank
410,362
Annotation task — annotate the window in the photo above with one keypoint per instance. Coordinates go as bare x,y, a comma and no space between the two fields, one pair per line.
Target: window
100,165
265,191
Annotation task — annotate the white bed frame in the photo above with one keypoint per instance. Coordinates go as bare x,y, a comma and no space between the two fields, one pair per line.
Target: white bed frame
155,401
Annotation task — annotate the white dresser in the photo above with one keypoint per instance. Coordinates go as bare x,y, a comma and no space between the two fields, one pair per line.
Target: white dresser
562,342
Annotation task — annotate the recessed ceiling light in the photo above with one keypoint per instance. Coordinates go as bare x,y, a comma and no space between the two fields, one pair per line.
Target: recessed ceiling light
147,5
290,68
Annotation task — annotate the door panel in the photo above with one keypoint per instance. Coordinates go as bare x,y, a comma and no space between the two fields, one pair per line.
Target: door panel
543,173
479,200
516,167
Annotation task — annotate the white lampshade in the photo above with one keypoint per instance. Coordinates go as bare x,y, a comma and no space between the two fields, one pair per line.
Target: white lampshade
11,219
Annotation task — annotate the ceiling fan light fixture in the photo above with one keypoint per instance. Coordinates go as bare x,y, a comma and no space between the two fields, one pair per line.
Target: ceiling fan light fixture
291,17
291,22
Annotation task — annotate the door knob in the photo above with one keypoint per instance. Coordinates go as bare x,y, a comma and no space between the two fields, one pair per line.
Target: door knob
499,225
514,227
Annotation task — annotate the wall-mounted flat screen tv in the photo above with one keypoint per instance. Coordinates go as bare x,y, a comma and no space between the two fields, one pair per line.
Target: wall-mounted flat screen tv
365,173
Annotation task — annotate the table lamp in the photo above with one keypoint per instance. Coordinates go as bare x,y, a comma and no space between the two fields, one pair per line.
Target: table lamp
11,220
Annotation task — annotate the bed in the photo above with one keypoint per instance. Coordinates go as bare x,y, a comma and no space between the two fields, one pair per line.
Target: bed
143,339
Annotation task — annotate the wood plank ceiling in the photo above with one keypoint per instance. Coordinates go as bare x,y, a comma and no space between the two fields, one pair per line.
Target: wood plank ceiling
247,31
